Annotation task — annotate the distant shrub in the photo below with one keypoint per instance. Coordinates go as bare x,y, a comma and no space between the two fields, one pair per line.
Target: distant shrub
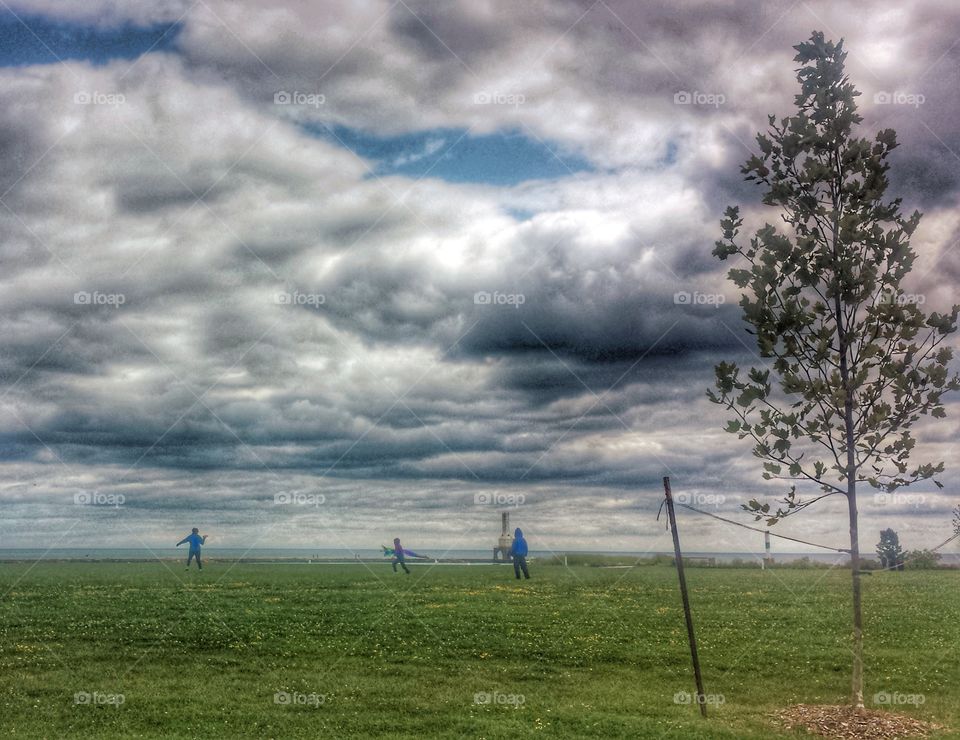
804,563
922,560
741,563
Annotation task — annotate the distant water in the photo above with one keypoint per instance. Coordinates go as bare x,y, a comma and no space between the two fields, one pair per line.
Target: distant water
305,553
227,553
219,553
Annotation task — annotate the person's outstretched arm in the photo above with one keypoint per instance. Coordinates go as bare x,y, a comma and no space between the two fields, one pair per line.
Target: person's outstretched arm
185,539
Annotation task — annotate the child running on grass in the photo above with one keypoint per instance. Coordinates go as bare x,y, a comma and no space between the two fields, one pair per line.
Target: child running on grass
196,542
398,556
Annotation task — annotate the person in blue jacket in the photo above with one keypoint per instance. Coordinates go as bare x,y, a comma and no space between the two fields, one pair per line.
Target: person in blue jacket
518,551
196,542
398,554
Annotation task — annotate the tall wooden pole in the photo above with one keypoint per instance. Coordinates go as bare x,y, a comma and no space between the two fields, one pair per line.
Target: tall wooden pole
701,697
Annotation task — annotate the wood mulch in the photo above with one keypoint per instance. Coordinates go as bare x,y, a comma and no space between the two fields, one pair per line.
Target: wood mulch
849,723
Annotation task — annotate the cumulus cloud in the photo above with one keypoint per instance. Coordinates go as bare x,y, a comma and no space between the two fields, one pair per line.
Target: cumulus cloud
205,302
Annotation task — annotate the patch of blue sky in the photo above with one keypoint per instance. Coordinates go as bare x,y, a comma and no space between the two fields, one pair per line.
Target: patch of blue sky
502,158
35,39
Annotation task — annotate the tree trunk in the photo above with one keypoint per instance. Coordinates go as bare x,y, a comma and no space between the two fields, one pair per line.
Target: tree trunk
857,678
857,683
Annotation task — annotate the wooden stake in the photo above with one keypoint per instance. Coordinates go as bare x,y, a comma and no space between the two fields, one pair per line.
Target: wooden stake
701,697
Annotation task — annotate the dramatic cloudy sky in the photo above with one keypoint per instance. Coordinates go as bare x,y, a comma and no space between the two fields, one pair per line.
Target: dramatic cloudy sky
241,245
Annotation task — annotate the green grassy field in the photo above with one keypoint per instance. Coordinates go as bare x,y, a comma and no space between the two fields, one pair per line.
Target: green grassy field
279,651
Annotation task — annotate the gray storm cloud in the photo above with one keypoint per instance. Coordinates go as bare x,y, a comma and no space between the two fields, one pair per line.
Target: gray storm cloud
203,303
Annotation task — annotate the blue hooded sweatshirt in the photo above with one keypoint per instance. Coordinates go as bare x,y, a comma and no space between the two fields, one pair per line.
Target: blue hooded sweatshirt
195,541
519,546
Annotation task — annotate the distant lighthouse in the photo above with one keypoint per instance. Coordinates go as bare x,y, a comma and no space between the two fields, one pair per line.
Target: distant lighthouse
502,549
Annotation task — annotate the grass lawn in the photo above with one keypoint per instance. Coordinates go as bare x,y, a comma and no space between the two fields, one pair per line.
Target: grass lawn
280,651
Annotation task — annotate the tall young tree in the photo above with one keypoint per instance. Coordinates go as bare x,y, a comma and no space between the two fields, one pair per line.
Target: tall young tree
855,363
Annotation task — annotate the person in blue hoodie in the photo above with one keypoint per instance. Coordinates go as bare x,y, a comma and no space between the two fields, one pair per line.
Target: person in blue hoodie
518,551
196,542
